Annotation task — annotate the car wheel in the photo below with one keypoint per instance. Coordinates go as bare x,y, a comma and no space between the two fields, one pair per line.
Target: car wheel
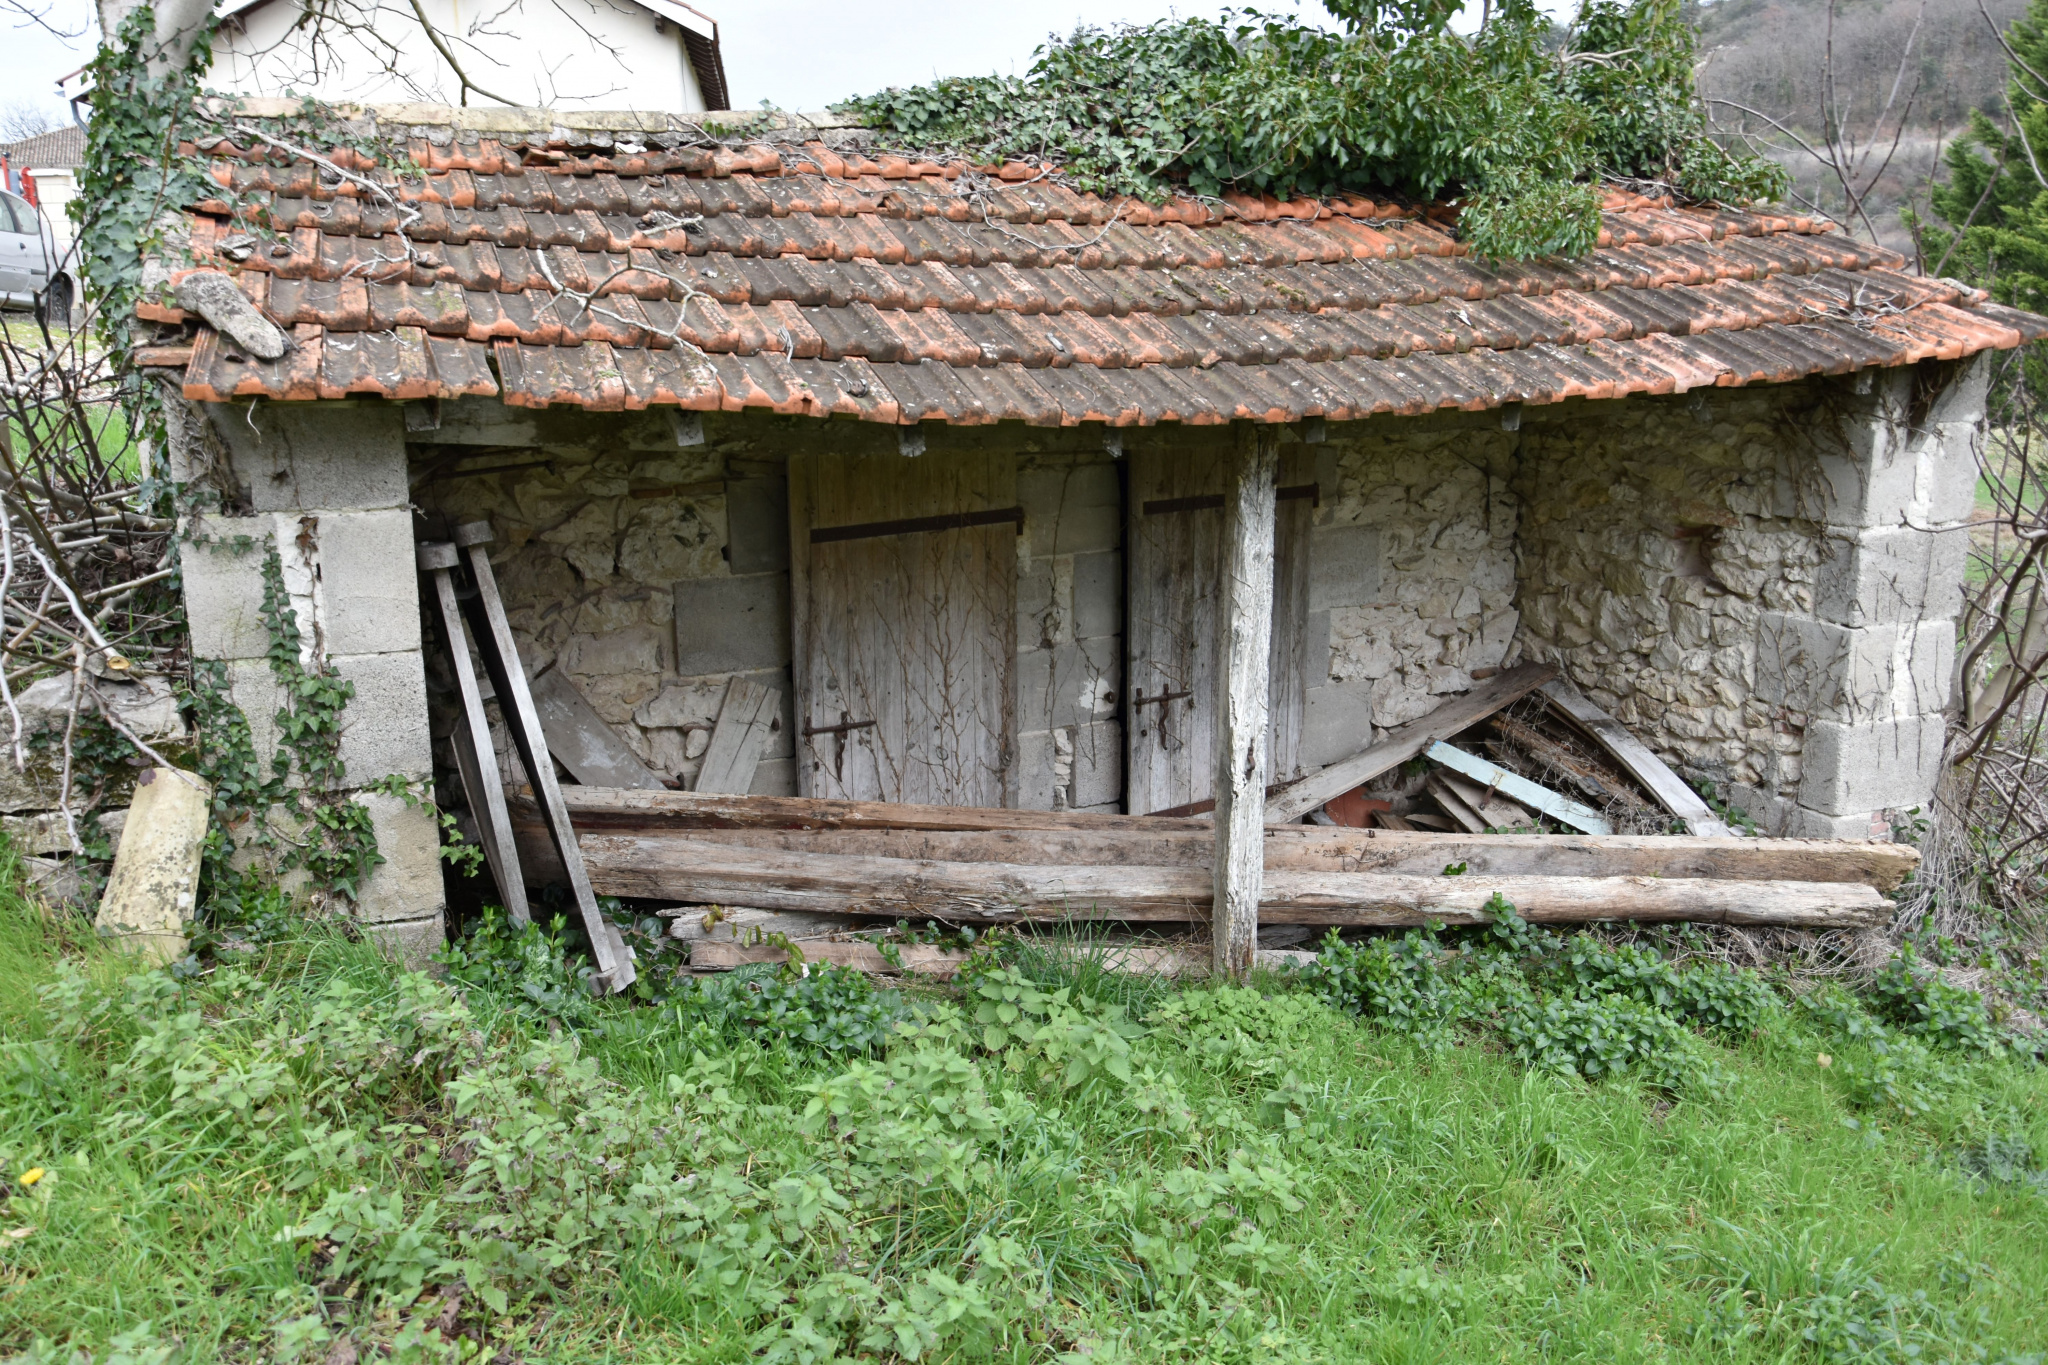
53,305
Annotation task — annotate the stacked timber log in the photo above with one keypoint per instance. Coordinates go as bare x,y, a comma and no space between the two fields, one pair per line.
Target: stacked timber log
972,865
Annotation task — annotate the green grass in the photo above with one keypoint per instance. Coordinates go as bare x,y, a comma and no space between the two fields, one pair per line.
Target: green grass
1249,1178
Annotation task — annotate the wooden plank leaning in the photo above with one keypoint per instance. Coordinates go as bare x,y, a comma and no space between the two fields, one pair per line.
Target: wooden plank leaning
739,737
1404,742
1668,787
475,757
590,749
501,658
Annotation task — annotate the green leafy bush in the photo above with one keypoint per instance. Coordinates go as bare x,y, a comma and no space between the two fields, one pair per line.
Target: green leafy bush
1924,1005
1514,129
1607,1036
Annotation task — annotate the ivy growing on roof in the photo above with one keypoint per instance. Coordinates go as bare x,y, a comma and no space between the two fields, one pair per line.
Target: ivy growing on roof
1514,125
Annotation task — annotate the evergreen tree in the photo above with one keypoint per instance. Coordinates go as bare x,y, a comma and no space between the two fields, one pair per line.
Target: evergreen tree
1995,206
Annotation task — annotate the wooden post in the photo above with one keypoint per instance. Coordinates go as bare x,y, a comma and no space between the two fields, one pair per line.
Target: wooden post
1244,642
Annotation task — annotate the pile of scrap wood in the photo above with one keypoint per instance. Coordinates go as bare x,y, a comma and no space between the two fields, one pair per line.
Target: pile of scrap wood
1524,750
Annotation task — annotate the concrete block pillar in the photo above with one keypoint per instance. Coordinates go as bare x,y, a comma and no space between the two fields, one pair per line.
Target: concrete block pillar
1871,666
325,483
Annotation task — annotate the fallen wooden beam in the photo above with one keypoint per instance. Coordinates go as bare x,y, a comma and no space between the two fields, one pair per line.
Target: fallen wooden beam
1404,742
1320,849
674,868
595,807
919,959
922,960
1667,786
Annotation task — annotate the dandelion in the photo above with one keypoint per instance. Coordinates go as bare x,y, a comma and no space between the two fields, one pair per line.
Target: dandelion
31,1175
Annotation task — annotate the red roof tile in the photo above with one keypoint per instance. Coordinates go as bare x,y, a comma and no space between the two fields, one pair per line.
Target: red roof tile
801,282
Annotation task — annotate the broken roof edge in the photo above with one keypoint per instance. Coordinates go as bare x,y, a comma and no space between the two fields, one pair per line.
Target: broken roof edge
521,119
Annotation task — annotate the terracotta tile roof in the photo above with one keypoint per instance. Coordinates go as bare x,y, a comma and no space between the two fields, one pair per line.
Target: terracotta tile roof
617,275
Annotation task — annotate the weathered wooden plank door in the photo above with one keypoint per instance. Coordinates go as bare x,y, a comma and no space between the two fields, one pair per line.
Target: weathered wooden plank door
1175,546
903,604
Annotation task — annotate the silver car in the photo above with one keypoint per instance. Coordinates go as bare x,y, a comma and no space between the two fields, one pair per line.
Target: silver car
32,273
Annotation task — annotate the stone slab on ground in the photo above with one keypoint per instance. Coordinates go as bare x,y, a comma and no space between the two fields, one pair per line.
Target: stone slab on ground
154,887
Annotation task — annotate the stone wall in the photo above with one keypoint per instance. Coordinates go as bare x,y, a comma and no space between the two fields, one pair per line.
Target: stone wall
327,488
1761,583
1411,571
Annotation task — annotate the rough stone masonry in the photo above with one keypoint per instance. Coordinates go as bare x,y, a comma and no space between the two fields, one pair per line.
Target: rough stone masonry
1763,583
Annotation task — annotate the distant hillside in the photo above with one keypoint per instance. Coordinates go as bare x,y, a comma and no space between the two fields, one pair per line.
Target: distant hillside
1767,54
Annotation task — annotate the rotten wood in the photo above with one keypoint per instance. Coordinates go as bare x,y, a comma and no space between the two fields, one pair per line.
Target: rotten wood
1668,787
673,868
1404,742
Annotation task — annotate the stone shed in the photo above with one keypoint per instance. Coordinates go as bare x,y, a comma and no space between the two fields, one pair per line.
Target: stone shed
941,454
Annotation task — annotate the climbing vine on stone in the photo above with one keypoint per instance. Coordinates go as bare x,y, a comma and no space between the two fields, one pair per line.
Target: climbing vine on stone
1514,127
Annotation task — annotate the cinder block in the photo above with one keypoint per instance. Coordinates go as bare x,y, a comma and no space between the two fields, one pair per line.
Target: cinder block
1066,686
411,943
757,526
1336,722
369,597
1034,777
1343,567
1890,574
324,457
1073,510
1854,769
224,587
1098,595
1098,765
407,884
1835,672
732,625
384,729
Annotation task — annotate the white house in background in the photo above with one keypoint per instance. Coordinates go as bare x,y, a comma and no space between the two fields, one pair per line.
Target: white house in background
51,160
659,55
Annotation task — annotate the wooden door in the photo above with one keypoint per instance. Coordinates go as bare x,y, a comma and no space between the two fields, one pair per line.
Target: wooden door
1174,542
903,604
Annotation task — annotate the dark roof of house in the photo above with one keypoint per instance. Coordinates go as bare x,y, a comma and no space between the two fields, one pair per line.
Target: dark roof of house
57,150
612,265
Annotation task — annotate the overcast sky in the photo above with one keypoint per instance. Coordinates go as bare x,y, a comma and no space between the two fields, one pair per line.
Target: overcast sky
799,54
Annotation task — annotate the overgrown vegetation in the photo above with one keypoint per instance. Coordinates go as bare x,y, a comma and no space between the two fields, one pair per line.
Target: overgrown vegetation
298,1154
1516,130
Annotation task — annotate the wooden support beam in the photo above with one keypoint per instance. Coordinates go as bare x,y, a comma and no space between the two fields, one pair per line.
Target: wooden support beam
674,868
1245,640
1311,848
1404,742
